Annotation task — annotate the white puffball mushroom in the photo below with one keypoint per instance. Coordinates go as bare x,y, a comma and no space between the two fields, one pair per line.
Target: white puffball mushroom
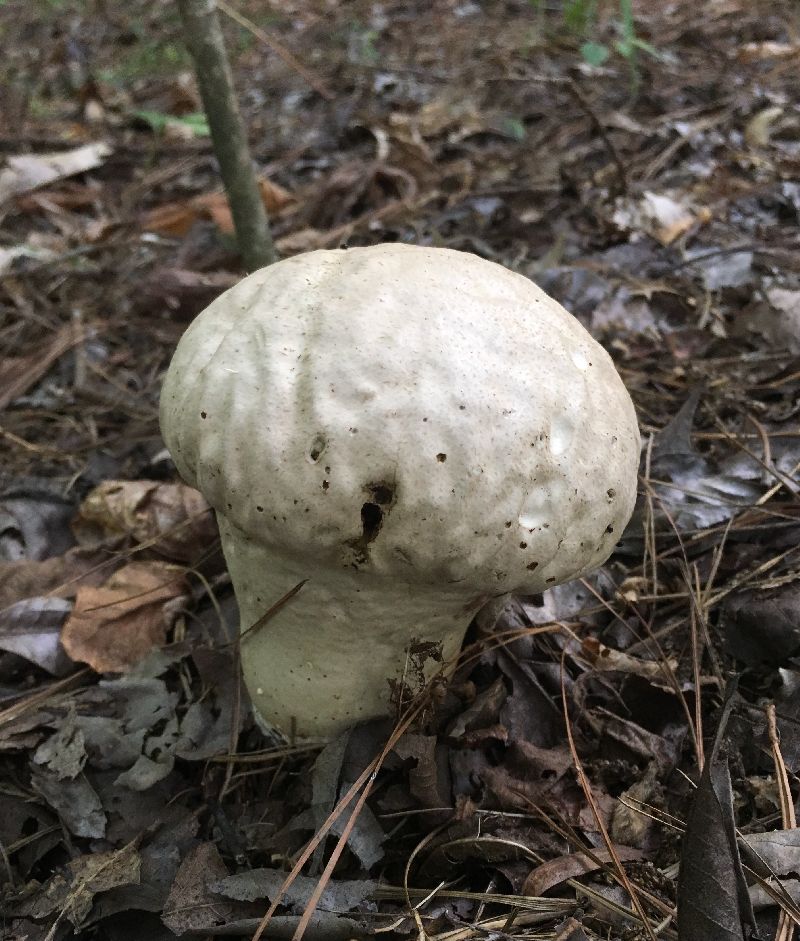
415,431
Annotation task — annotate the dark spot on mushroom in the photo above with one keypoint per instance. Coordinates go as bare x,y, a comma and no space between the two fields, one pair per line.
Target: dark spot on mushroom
327,470
523,545
508,525
611,493
531,566
382,493
316,448
371,520
325,484
424,419
550,580
609,529
441,458
230,506
260,509
204,414
462,408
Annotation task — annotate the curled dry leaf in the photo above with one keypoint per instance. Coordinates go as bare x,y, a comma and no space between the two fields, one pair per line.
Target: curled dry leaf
573,866
606,658
26,172
115,626
174,518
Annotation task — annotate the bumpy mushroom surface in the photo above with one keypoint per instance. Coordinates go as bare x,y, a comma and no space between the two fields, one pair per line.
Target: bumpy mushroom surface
413,430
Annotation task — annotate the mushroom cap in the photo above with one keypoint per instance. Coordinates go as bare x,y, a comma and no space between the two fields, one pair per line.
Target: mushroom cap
417,413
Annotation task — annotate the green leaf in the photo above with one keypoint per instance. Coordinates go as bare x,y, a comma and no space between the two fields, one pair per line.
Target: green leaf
514,128
197,123
594,53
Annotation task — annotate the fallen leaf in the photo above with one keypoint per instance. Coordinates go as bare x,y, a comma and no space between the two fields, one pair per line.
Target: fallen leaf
176,219
606,658
26,172
191,906
173,519
713,903
64,753
340,895
759,128
113,627
664,216
763,626
573,866
73,799
60,576
71,891
32,628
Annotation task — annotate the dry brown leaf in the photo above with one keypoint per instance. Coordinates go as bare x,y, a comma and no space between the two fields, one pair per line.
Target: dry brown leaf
58,576
176,219
555,871
304,240
175,519
113,627
606,658
191,907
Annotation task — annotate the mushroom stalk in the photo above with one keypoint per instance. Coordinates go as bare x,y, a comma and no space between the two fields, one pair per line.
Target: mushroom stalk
335,652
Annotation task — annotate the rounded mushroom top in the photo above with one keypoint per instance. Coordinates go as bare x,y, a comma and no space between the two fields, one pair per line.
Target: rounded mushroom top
419,413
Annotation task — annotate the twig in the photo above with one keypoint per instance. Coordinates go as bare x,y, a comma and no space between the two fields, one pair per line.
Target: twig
279,49
578,95
207,47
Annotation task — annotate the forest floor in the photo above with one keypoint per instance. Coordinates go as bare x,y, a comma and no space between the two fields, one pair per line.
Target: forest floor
640,717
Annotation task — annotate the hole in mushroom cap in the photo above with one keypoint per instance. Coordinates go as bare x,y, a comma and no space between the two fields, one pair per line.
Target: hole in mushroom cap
316,448
441,458
371,519
531,566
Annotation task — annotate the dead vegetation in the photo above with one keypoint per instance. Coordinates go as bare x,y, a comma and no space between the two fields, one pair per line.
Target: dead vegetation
594,736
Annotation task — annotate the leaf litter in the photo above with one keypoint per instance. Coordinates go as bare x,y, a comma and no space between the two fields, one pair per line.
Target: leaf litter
138,796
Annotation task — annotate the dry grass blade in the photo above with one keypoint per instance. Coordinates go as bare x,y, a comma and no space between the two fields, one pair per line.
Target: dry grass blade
587,791
39,698
785,930
278,48
364,781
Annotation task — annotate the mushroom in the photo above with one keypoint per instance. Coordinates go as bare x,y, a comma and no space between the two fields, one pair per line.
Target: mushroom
414,431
